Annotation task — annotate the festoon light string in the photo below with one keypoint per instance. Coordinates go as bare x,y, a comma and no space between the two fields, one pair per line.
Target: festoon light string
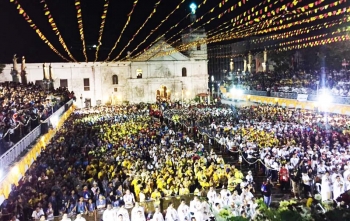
221,38
122,32
222,3
55,29
156,28
102,26
25,15
139,29
81,26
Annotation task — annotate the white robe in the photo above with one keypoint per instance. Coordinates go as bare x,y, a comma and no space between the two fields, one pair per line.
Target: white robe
158,217
347,185
206,211
183,212
338,188
135,210
109,214
171,215
211,196
325,187
124,212
196,208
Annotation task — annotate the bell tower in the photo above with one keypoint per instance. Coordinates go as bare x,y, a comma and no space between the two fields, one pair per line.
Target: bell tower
197,50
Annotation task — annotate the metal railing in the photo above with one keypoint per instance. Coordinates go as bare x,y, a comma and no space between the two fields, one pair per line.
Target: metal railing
294,95
16,150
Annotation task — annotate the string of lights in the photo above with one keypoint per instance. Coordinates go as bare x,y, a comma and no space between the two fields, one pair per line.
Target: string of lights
80,26
191,24
155,29
289,25
137,32
55,29
102,26
25,15
258,21
215,39
122,32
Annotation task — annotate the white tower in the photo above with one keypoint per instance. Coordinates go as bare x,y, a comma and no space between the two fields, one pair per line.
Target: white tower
198,49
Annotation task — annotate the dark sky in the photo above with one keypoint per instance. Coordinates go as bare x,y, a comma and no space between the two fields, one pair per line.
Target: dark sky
17,37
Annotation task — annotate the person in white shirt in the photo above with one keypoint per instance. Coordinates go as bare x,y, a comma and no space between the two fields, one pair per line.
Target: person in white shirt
65,217
183,211
196,208
157,216
135,210
139,216
211,195
338,187
109,214
124,213
326,191
347,183
249,177
80,218
129,200
206,211
225,194
171,213
37,213
49,212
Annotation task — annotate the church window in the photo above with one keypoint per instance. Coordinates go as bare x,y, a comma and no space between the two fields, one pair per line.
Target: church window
115,89
184,72
86,84
63,83
115,79
138,73
198,47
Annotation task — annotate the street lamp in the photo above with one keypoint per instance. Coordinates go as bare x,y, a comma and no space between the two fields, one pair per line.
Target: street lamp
182,94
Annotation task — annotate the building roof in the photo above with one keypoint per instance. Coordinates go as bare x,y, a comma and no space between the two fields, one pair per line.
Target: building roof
162,51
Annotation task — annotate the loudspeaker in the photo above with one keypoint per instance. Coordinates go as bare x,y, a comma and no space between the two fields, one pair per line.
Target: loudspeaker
44,128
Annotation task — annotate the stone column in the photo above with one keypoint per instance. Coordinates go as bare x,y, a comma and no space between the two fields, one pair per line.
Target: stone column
14,71
44,72
23,71
250,62
231,65
265,61
244,64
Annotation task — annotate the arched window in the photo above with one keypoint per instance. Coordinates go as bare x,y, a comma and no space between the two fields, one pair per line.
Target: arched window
115,79
138,73
184,72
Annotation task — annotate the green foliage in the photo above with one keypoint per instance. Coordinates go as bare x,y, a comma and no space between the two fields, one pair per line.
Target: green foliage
282,61
197,99
2,66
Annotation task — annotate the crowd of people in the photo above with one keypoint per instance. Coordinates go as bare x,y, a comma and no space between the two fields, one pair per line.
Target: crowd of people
305,151
23,106
128,165
333,82
134,163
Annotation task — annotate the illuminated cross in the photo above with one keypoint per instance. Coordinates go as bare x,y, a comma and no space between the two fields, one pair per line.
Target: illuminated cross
193,8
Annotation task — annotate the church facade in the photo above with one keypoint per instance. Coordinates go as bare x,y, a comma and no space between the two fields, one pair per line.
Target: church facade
154,75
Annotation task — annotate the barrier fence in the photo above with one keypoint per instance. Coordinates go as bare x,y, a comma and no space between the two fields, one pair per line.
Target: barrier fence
16,150
294,95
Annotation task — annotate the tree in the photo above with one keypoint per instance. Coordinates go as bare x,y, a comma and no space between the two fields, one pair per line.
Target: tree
282,61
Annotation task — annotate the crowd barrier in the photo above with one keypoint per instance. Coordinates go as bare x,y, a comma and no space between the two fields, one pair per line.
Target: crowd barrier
12,168
294,95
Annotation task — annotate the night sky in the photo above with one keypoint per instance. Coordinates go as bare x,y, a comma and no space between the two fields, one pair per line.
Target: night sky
17,37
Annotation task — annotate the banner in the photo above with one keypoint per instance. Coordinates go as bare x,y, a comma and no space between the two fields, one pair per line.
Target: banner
302,97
